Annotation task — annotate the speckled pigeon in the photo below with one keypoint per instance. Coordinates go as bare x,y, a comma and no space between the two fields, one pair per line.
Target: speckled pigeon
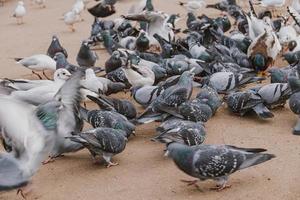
215,162
105,142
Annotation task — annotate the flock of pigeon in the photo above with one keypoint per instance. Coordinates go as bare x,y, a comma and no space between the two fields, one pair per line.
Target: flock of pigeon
160,64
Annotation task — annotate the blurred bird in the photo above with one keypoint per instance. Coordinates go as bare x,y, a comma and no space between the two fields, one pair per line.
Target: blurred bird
19,12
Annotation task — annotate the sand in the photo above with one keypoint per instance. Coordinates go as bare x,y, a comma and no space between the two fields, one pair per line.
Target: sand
143,172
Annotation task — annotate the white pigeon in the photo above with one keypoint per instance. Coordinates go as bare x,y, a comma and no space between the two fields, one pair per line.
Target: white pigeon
139,76
258,26
19,12
194,6
286,34
39,62
42,94
23,84
92,82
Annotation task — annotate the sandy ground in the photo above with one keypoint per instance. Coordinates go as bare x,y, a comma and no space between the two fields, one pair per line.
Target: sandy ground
143,172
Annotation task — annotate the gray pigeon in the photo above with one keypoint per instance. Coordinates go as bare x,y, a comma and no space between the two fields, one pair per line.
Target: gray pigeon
105,142
224,82
211,97
169,100
274,94
86,57
69,118
145,95
123,107
294,101
215,162
56,47
196,110
107,119
243,102
180,131
40,131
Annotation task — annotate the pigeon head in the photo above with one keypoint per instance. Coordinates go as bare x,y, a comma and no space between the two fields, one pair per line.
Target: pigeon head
61,74
294,83
54,38
182,155
259,62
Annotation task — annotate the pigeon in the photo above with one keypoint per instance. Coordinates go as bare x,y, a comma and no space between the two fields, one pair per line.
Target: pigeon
294,101
271,3
85,56
32,139
107,119
114,62
56,47
69,117
145,95
170,98
228,81
210,96
180,131
124,107
138,75
36,135
105,142
156,24
70,18
274,94
142,41
102,10
19,12
263,51
215,162
39,62
195,110
243,102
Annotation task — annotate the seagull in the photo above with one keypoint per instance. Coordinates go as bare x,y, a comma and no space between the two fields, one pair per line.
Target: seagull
40,3
19,12
23,84
215,162
39,62
78,8
70,18
42,94
193,6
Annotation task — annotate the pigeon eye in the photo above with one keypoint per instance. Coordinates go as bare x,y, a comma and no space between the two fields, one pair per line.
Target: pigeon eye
64,73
